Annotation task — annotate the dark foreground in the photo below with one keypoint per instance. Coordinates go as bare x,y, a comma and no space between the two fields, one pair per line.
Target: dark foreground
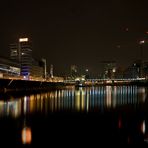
67,130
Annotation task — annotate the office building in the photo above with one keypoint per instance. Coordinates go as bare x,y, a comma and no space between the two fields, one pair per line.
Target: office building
9,67
109,69
22,53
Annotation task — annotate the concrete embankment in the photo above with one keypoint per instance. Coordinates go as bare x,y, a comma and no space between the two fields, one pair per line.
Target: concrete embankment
9,85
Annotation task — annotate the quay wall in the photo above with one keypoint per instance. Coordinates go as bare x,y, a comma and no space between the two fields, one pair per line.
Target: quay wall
9,85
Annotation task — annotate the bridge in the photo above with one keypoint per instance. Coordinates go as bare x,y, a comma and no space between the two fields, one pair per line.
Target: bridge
117,80
110,81
121,79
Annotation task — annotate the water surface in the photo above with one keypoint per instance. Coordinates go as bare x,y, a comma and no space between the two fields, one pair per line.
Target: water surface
87,116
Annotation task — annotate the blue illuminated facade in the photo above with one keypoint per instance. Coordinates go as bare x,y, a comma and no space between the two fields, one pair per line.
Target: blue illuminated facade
26,58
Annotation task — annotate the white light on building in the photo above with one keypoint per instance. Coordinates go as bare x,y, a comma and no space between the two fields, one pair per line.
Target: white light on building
142,42
23,40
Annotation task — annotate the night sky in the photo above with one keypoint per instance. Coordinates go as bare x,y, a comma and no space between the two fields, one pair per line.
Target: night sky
79,32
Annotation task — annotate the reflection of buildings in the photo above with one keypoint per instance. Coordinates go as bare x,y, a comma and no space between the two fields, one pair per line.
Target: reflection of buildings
108,96
10,108
80,100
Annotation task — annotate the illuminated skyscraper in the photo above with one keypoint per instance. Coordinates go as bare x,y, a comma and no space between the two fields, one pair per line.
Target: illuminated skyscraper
22,53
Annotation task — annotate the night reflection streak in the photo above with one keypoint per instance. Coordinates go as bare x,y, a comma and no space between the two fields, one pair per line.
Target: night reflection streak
108,96
81,99
26,135
143,127
10,108
114,99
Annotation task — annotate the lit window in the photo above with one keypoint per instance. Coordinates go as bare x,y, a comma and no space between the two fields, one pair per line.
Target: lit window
23,40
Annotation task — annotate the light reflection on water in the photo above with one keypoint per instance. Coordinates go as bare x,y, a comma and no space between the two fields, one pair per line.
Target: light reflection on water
117,126
81,99
26,135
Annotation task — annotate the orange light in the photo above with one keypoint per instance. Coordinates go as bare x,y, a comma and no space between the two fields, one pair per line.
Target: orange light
26,135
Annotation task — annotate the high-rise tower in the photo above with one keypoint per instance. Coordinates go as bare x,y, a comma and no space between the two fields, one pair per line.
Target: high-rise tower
22,53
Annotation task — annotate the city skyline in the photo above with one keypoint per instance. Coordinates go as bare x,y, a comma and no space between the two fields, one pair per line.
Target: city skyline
77,32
